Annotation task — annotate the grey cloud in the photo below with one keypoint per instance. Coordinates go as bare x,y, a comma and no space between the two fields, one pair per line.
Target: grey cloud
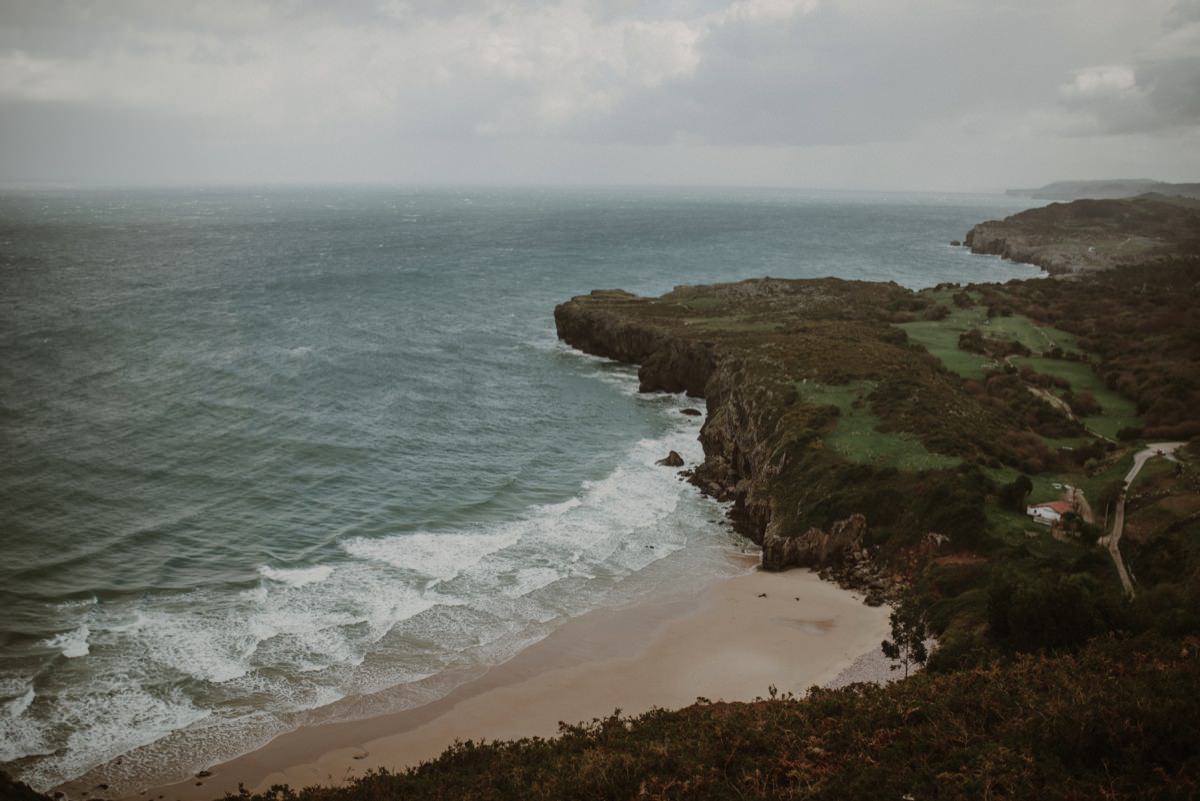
1158,91
400,89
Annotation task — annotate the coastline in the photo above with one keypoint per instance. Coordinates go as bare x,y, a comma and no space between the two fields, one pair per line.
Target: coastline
723,642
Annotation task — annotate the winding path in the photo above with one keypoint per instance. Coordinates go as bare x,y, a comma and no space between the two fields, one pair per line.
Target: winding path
1113,540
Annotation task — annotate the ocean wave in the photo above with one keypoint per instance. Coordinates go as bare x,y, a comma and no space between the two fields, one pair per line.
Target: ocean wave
114,717
440,556
72,644
17,706
21,736
298,576
393,609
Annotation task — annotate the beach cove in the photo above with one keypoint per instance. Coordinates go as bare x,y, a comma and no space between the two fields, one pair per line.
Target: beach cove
733,640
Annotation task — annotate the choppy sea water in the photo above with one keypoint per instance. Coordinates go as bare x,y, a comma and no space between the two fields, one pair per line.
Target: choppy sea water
267,453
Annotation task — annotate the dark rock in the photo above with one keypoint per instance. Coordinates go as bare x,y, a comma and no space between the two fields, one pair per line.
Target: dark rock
204,774
672,459
691,412
814,548
955,243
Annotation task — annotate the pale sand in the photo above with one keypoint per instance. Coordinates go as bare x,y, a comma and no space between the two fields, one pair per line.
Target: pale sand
726,643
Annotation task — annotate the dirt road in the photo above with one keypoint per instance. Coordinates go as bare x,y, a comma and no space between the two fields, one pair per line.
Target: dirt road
1113,540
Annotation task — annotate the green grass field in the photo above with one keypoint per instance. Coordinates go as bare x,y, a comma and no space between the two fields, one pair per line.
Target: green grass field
1018,530
1043,484
940,337
857,436
1117,411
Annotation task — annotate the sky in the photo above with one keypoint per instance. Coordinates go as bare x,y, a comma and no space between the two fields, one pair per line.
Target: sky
943,95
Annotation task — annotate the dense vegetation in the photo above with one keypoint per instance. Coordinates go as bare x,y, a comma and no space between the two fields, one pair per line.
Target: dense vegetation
1118,719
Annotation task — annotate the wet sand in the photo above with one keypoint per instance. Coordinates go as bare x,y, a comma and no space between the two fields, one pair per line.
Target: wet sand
726,642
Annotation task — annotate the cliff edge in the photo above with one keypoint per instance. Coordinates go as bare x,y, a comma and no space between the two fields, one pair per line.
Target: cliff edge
841,444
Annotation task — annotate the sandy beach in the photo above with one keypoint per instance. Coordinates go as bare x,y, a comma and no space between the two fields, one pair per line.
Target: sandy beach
731,641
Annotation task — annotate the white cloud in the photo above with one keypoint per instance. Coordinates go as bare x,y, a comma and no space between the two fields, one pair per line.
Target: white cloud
755,11
1101,81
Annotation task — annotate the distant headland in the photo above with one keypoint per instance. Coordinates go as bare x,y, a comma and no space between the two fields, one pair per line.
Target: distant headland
1107,189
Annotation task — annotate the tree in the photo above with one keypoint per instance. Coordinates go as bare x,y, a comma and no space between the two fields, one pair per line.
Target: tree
907,645
1012,495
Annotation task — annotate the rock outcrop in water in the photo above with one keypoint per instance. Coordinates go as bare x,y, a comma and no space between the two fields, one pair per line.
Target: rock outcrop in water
672,459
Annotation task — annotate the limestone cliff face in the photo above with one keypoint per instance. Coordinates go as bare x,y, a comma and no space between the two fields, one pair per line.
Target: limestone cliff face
667,364
730,437
815,548
994,239
739,426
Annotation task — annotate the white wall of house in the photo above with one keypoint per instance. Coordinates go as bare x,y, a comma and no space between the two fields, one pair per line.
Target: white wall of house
1043,514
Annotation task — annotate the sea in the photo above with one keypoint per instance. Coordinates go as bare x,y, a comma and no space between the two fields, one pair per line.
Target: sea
281,455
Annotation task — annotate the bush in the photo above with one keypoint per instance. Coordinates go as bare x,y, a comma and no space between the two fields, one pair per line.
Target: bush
1048,612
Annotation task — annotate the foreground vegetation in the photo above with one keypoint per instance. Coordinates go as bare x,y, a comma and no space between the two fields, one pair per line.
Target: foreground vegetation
1118,719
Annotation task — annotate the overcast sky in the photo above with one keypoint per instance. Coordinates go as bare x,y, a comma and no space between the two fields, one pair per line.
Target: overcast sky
886,94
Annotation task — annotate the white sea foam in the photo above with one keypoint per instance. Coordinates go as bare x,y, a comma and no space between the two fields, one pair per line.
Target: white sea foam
17,706
440,556
197,638
529,579
298,576
76,604
72,644
20,735
109,717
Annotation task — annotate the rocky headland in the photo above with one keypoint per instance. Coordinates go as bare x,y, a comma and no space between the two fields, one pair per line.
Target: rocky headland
1092,235
765,355
1106,189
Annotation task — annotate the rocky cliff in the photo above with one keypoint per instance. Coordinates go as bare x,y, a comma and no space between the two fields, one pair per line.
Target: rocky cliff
733,441
1091,235
717,343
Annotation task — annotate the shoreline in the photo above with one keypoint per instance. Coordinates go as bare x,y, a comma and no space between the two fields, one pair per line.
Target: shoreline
724,641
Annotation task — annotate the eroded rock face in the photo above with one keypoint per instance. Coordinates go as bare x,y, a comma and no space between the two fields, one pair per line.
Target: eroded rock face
815,548
735,467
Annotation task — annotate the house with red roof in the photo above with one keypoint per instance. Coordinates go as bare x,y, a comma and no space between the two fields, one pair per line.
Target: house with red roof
1049,513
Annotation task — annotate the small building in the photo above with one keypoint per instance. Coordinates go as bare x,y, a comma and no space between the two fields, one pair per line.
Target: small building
1049,513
